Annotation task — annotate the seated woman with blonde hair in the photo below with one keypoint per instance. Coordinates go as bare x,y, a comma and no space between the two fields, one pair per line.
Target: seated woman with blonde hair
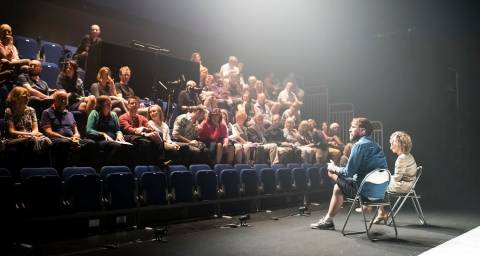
23,135
405,169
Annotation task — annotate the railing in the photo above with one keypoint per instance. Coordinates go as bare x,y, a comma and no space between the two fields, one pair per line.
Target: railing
378,132
342,113
315,104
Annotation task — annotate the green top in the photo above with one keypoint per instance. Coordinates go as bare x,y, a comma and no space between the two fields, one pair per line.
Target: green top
97,124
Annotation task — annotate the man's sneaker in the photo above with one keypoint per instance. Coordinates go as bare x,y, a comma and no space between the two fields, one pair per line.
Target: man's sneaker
323,224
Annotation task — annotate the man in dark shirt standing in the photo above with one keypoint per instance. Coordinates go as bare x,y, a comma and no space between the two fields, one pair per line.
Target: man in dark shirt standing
88,41
366,156
60,126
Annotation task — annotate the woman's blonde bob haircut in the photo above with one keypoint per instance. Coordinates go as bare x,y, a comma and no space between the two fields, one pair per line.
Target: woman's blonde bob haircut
403,140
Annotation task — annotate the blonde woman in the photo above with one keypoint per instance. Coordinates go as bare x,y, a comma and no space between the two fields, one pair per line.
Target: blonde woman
156,121
22,129
405,169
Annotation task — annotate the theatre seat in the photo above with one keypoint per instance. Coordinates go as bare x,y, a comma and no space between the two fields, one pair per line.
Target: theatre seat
206,183
28,48
240,167
197,167
249,182
181,183
152,185
314,179
7,201
284,179
51,52
268,181
177,168
299,175
220,167
293,165
50,73
118,187
230,183
40,191
82,188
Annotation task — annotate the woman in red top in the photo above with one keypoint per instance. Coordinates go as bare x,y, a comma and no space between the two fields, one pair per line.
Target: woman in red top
213,132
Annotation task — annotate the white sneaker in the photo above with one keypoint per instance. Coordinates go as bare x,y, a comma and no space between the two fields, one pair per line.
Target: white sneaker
323,224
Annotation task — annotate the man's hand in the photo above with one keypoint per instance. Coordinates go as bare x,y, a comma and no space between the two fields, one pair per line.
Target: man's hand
332,168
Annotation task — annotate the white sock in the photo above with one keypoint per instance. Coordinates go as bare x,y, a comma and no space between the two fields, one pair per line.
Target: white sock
328,218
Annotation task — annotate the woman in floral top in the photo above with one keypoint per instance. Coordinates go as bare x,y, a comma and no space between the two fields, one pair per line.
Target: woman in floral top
22,130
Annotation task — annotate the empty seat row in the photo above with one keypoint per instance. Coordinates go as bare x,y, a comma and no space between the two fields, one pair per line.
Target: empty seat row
29,48
43,192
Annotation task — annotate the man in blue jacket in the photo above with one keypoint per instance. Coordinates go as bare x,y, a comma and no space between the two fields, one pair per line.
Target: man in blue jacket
366,156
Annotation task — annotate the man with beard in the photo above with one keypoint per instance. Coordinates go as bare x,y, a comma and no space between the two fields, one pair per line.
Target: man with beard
40,98
366,156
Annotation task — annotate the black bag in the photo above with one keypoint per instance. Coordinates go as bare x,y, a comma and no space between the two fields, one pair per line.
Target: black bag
292,156
259,155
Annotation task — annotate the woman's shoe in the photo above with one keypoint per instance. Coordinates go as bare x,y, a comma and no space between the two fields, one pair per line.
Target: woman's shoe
366,209
380,219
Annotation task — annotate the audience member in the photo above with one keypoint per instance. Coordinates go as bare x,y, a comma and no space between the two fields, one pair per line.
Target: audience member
60,126
292,112
246,105
335,132
68,79
147,143
256,134
305,130
8,50
103,127
274,134
230,68
308,152
23,136
106,86
38,89
189,97
156,121
185,130
286,97
122,87
89,41
196,57
261,107
272,85
240,139
333,152
347,150
213,132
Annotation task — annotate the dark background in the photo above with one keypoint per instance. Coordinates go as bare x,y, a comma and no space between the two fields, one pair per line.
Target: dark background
393,60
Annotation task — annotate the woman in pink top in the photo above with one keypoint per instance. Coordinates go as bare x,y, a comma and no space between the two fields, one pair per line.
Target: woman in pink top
213,132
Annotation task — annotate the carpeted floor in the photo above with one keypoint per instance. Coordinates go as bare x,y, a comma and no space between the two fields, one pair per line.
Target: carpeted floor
277,233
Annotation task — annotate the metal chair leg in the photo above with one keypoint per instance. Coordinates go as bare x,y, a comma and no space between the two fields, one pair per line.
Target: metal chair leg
348,217
394,224
419,211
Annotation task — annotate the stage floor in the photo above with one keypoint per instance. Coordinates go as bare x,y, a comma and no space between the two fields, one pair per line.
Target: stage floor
277,233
